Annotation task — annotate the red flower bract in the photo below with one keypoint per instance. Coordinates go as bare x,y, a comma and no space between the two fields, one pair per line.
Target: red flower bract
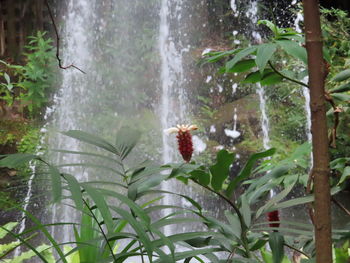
272,217
184,139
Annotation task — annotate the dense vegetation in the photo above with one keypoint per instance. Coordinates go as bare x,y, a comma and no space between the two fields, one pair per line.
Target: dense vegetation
127,218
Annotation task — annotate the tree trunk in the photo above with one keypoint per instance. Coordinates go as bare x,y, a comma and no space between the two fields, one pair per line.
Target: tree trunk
320,170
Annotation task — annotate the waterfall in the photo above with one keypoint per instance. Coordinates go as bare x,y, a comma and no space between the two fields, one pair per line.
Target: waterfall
264,118
72,96
173,104
305,91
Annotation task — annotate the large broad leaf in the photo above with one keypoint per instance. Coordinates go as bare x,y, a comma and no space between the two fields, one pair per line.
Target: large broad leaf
276,242
264,54
247,169
341,96
253,77
126,140
242,66
239,56
220,171
342,88
16,160
92,139
343,75
294,49
201,176
271,78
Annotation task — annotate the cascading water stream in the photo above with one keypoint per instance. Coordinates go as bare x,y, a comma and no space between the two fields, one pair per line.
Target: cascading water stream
305,90
70,99
264,117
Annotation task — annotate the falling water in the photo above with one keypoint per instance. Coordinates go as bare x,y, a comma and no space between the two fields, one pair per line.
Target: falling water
264,118
233,133
306,91
71,97
173,104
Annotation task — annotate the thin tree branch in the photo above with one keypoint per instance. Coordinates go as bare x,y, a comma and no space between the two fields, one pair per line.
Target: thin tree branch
296,249
341,206
58,42
286,77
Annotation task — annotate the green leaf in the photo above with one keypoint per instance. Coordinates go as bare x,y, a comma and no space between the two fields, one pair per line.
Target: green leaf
341,96
245,210
276,242
270,25
242,66
16,160
201,176
220,171
264,54
87,234
274,200
271,78
216,56
239,56
139,212
341,76
294,49
30,254
247,169
301,200
345,175
342,88
9,227
234,223
253,77
92,139
7,78
101,205
55,183
74,188
138,228
126,140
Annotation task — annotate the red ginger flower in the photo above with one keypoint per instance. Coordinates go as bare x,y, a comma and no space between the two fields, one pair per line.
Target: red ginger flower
184,139
272,217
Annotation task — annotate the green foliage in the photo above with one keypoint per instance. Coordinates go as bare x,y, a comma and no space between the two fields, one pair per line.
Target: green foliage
30,141
112,212
30,83
7,248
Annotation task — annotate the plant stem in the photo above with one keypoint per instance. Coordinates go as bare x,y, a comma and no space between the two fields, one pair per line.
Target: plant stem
244,238
286,77
101,229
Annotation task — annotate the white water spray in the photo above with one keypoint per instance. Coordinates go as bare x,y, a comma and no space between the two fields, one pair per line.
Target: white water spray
71,97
